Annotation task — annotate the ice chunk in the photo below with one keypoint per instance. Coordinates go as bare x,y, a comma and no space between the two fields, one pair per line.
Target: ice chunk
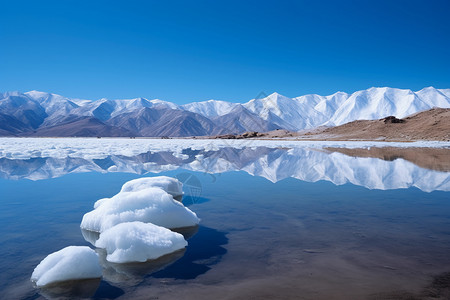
100,201
168,184
70,263
150,205
138,242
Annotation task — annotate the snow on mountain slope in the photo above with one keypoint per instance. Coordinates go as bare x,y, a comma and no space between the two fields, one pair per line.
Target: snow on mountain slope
287,113
157,103
26,110
434,97
38,109
210,108
57,107
240,120
376,103
52,103
329,104
130,105
105,109
446,92
310,111
100,109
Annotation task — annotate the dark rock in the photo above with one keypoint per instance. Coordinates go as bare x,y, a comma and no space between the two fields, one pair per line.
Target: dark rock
250,134
392,119
226,136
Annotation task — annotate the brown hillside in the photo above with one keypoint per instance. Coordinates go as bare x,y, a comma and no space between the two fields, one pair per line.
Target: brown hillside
433,124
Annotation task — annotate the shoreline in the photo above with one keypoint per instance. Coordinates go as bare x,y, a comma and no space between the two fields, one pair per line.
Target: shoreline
239,140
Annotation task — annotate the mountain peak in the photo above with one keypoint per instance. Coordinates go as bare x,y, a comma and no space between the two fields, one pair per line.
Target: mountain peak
428,88
276,95
35,92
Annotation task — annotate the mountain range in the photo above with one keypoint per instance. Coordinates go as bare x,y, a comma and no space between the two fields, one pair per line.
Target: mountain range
37,113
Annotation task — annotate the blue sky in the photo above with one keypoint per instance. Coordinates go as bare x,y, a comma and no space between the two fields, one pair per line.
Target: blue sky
185,51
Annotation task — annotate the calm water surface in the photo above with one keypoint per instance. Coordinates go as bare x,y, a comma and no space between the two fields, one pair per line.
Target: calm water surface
258,238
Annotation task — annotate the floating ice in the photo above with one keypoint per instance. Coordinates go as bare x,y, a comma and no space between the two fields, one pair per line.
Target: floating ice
100,201
168,184
138,242
70,263
149,205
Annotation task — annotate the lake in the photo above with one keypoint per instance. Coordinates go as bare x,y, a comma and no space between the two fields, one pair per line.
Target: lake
279,219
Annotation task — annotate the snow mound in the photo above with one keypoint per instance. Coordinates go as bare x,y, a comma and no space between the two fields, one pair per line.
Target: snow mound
138,242
149,205
168,184
100,201
70,263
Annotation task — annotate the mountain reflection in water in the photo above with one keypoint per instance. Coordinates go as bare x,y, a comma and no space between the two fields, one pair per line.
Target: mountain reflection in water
373,168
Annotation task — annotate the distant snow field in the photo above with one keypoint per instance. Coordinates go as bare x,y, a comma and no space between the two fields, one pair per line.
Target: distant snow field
93,148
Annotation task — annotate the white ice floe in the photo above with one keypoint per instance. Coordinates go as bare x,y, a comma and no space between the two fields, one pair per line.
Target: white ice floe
150,205
171,185
70,263
138,242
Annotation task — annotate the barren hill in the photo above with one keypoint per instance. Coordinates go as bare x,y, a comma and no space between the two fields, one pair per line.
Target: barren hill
433,124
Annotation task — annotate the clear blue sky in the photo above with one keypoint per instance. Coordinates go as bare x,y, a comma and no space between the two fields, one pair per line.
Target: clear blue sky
185,51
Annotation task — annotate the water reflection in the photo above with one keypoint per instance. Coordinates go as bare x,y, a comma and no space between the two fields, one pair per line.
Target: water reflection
204,250
373,168
187,232
72,289
437,159
131,274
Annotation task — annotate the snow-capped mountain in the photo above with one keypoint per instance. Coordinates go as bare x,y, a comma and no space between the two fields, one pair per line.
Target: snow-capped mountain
311,111
31,112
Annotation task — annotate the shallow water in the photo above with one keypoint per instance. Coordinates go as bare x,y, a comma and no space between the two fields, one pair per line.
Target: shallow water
326,236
